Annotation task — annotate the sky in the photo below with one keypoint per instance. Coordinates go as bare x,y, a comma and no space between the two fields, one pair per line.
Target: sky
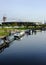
24,10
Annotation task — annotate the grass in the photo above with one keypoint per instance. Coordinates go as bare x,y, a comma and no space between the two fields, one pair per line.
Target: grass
5,31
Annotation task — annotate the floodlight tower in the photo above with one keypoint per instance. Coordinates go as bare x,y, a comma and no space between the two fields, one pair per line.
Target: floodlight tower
4,18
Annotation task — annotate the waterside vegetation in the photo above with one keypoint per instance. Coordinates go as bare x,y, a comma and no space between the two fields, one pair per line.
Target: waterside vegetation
5,29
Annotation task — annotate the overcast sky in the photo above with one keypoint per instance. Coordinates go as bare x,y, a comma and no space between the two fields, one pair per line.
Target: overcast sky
32,10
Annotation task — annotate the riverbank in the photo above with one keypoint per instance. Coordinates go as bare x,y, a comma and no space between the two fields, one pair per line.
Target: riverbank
5,31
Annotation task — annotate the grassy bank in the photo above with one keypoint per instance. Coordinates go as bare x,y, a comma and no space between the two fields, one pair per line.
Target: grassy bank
5,31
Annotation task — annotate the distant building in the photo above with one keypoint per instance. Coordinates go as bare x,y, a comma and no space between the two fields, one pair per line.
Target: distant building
21,23
38,23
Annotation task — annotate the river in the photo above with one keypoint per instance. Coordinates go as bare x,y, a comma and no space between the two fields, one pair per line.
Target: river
29,50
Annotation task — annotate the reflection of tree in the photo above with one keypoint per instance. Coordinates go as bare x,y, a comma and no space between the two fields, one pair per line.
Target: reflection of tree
34,31
3,46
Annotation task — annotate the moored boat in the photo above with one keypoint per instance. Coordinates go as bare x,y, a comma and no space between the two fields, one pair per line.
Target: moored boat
9,38
18,35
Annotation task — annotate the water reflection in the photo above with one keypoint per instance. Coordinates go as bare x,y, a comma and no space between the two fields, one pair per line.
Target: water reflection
5,45
30,50
2,47
33,32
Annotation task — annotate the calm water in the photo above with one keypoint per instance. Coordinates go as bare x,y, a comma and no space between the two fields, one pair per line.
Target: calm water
30,50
